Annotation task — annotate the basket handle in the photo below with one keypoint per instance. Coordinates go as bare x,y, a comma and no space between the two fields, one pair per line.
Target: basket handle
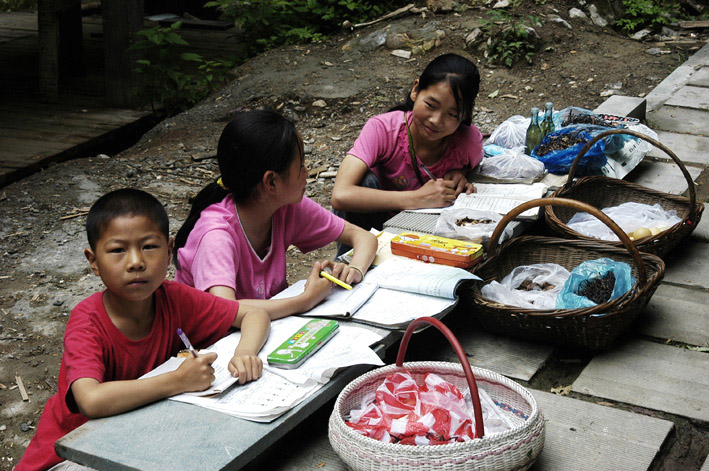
585,207
692,194
477,410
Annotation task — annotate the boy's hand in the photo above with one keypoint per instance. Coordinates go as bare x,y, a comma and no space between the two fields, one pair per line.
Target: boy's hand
435,194
343,272
245,366
459,178
197,374
316,287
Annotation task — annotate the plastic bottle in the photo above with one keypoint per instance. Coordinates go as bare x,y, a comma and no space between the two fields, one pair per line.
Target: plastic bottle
547,125
534,133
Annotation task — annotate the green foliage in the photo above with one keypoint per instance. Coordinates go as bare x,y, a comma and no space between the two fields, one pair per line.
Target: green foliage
269,23
175,79
511,39
653,14
18,5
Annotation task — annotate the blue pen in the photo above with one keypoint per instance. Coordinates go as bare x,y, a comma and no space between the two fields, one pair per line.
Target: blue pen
187,343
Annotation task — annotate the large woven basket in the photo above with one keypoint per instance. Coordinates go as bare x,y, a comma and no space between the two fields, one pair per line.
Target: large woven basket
515,449
602,192
592,327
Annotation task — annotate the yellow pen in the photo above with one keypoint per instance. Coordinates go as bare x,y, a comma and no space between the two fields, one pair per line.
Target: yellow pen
329,277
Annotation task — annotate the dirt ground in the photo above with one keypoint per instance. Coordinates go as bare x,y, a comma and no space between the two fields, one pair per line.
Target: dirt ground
329,90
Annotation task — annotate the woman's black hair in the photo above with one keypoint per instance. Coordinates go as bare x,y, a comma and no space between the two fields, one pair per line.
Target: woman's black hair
252,143
462,76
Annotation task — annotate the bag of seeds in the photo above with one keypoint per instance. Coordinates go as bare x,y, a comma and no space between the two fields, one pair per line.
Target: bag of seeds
559,148
595,282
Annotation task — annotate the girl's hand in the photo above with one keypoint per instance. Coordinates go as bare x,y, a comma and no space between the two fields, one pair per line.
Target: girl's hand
459,178
197,374
245,366
435,194
316,287
343,272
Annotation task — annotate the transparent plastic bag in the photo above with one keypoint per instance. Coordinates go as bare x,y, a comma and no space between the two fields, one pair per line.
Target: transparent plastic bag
568,297
510,133
529,286
511,164
447,225
629,216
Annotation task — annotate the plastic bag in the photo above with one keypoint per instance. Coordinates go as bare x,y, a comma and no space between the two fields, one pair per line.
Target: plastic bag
624,152
511,164
511,133
559,161
629,216
568,297
451,224
540,284
435,413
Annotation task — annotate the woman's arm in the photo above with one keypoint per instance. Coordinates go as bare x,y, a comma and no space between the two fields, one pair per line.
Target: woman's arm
348,196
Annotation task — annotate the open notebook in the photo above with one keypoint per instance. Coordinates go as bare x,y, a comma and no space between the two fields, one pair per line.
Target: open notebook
392,294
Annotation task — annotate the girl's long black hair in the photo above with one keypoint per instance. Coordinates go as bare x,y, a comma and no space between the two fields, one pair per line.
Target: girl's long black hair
252,143
462,76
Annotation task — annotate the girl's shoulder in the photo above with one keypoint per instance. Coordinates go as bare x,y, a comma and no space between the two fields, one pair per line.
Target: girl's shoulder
467,136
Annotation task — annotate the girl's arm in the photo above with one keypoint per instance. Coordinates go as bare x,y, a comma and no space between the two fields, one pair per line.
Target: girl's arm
365,248
96,399
348,196
255,325
316,289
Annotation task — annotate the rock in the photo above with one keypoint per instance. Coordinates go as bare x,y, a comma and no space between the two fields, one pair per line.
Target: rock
401,53
473,38
640,35
558,19
502,4
396,41
327,175
320,103
102,156
575,13
606,93
597,19
668,33
439,5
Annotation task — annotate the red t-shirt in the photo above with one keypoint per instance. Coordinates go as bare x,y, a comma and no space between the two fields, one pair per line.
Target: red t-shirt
95,348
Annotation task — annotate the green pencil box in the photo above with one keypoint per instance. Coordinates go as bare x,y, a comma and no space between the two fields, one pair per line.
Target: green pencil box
301,345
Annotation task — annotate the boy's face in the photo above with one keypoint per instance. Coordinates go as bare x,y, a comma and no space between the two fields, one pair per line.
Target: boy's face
131,257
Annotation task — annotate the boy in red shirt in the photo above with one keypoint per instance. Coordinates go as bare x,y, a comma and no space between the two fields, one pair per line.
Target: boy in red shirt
116,336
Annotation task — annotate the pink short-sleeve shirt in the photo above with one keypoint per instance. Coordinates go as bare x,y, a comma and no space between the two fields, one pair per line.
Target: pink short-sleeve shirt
384,146
217,252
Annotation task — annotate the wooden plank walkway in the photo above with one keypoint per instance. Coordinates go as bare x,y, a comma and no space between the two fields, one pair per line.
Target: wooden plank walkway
34,134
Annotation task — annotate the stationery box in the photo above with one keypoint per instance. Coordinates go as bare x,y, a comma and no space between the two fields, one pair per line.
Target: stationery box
435,249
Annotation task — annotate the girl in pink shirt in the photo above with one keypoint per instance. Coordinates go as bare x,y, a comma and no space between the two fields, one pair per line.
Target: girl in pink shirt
234,241
418,154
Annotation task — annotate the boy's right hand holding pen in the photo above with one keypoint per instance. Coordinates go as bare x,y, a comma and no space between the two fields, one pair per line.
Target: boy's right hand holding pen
196,373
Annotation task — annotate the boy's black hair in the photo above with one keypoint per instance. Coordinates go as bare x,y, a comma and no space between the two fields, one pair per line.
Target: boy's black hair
124,202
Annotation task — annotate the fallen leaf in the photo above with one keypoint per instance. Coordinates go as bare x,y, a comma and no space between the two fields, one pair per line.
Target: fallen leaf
494,94
561,390
603,403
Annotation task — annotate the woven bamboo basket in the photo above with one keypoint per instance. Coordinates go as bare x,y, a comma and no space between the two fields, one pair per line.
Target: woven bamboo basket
515,449
592,327
602,192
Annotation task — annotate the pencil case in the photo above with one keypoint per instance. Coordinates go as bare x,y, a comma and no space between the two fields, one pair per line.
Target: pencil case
303,344
435,249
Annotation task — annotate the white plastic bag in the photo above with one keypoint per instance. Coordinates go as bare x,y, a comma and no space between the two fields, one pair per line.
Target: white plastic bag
511,164
629,216
544,281
511,133
451,223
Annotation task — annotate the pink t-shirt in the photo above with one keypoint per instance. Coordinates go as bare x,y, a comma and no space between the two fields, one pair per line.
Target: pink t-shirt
217,252
384,146
95,348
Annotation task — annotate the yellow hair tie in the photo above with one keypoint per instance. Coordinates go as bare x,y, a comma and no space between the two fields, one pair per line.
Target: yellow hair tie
221,184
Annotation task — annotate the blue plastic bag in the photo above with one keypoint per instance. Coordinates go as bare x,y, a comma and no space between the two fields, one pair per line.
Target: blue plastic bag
624,281
559,161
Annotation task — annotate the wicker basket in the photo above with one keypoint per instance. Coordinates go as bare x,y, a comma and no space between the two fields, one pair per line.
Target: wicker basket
602,192
592,327
515,449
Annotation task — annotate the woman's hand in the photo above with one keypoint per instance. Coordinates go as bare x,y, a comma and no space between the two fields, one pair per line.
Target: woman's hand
435,194
316,287
459,178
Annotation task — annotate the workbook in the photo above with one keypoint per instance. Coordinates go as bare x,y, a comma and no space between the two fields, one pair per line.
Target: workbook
392,294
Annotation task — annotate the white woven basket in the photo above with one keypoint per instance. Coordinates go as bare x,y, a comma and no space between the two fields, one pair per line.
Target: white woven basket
515,449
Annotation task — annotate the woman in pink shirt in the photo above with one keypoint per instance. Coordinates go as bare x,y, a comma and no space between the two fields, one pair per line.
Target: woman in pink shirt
234,241
418,154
